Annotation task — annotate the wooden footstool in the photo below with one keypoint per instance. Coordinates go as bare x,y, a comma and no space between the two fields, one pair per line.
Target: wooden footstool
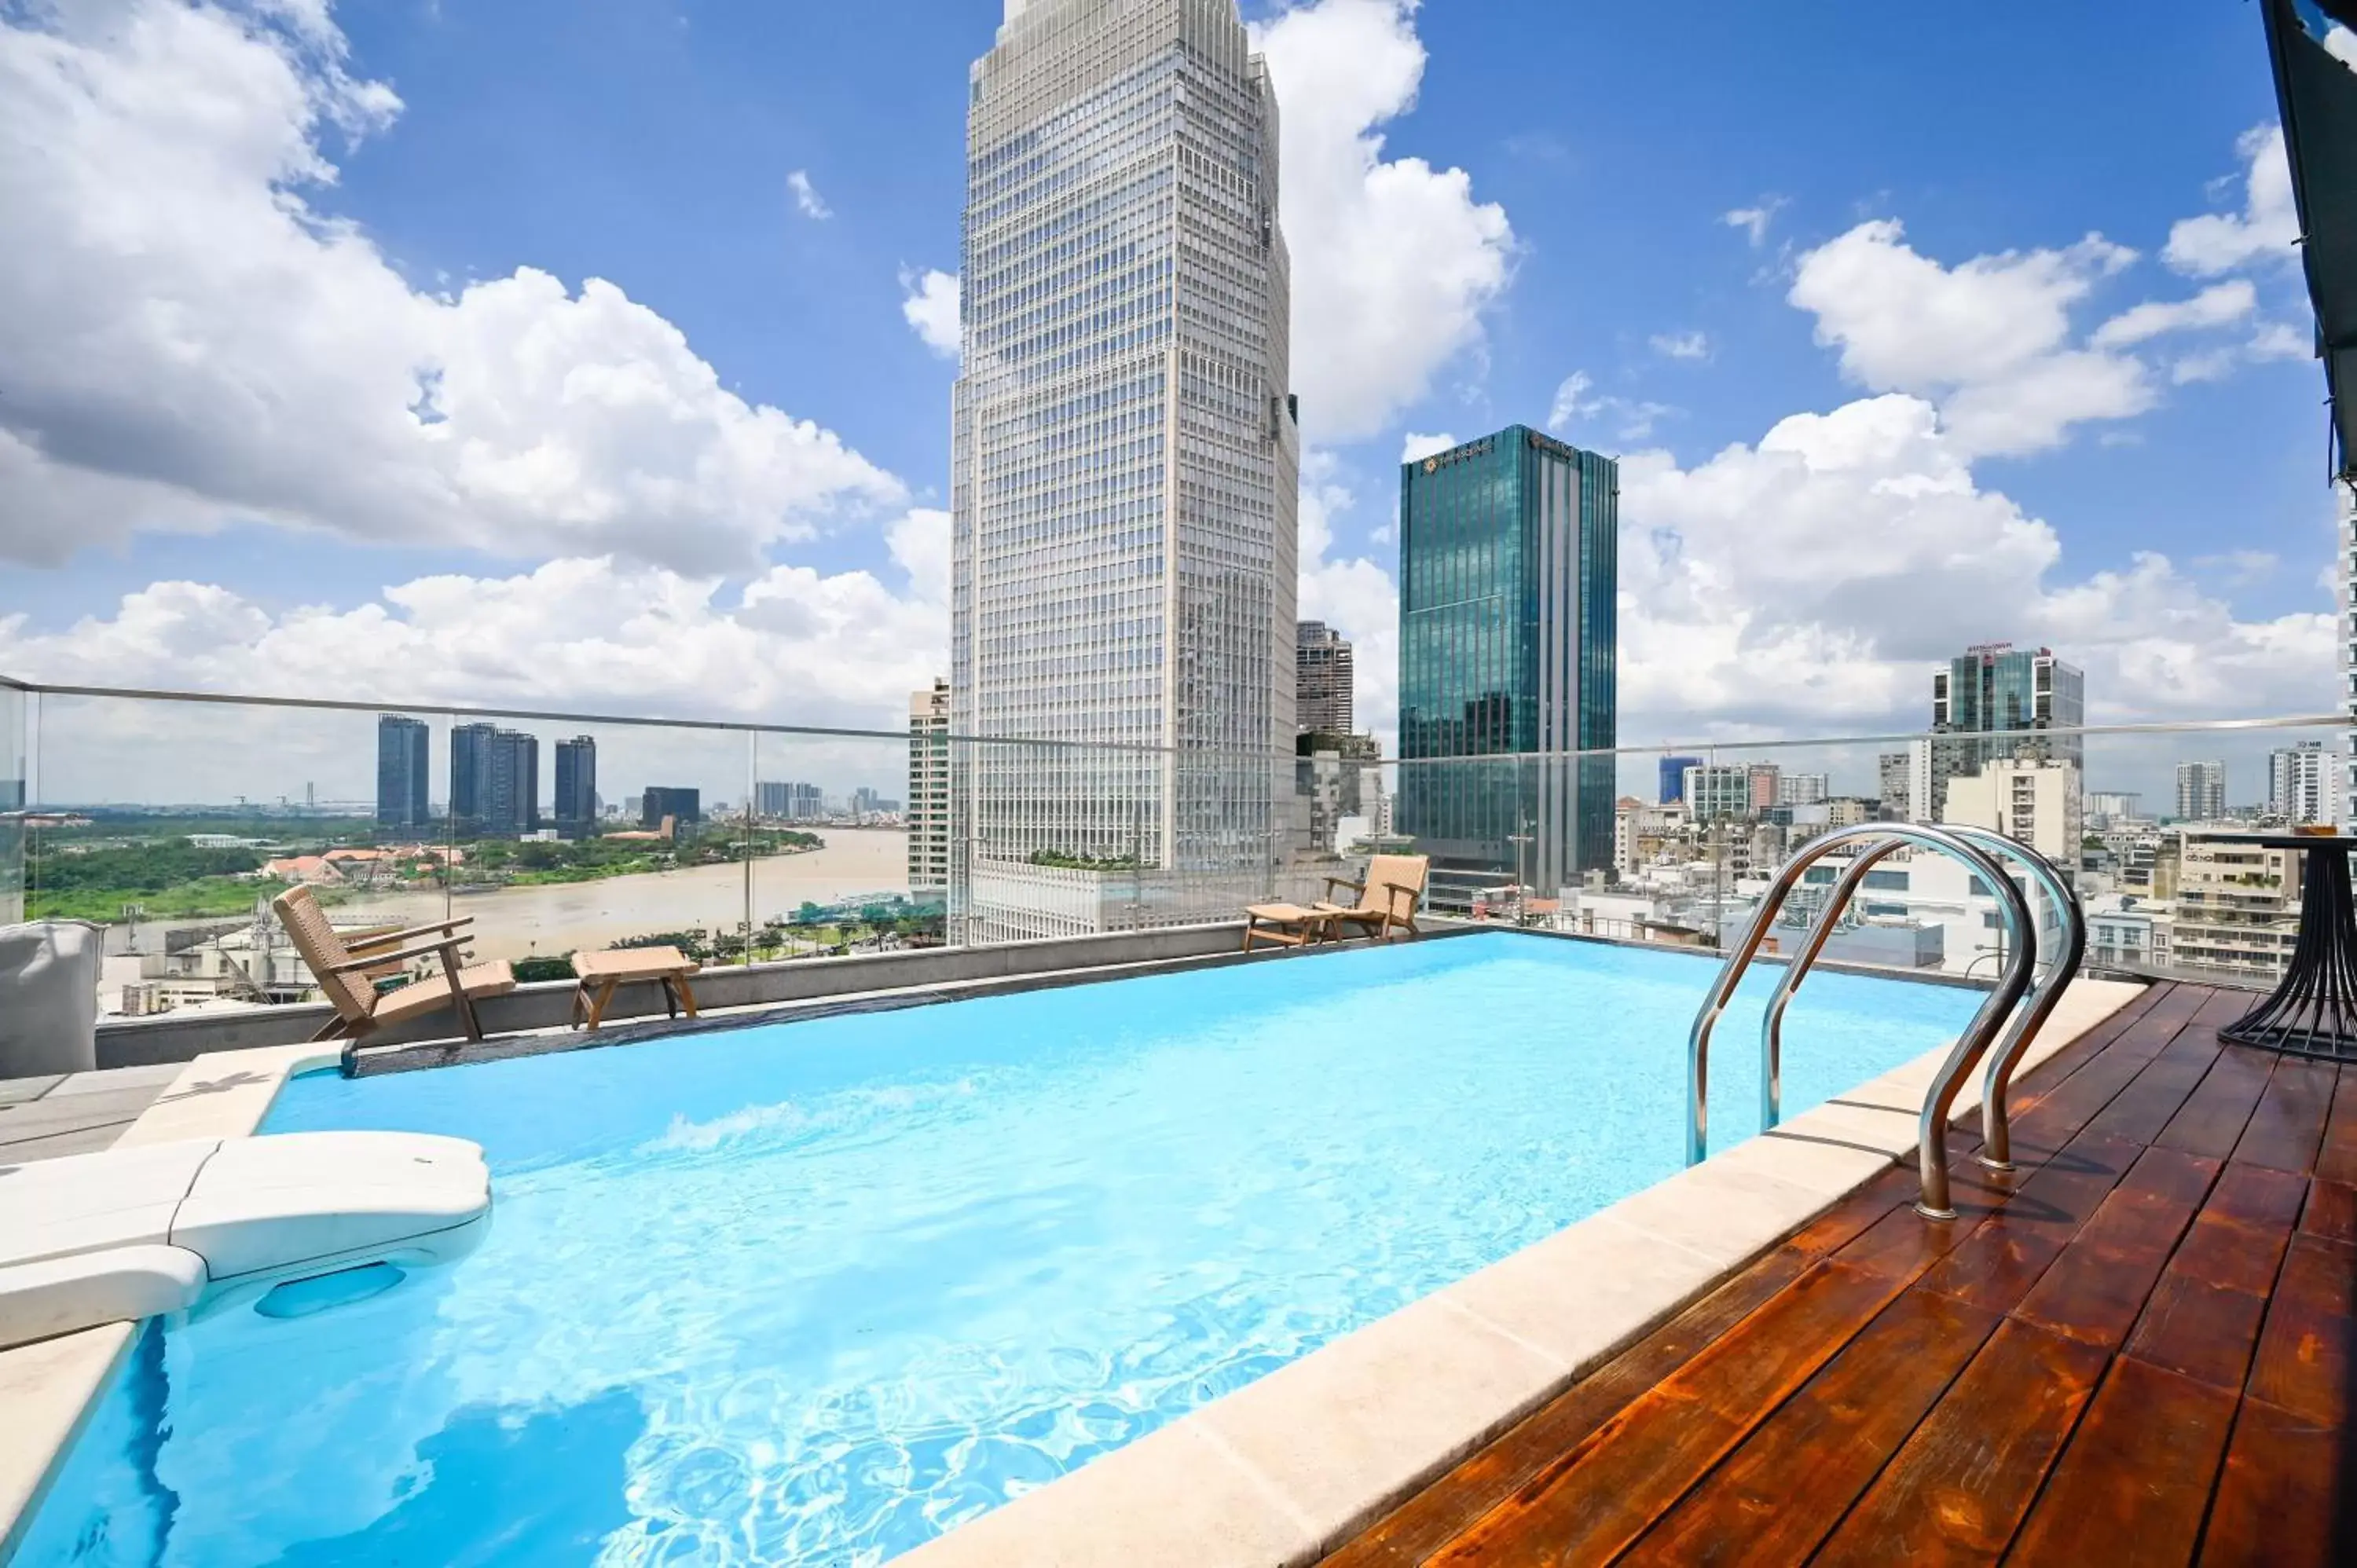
1285,925
600,973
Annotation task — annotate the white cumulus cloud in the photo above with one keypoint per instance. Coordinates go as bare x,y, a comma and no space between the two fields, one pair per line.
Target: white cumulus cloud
2221,304
1990,337
614,634
1809,581
1754,221
1395,260
2264,229
1415,449
929,304
807,200
1681,345
187,339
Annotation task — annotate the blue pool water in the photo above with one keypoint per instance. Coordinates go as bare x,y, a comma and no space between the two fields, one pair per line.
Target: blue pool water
816,1292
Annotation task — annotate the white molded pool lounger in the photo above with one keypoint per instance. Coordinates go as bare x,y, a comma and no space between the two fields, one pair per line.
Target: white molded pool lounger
128,1233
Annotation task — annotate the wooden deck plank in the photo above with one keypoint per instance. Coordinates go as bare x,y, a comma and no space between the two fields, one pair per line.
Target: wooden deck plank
2204,1318
2065,1112
2337,1159
2287,1128
2198,1330
2142,1109
2331,1210
1958,1488
1429,1521
1998,1262
1613,1486
2213,1120
2095,1290
2276,1505
2304,1358
1838,1431
2131,1487
2237,1239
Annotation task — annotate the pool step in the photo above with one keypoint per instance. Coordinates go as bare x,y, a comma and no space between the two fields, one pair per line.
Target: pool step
128,1233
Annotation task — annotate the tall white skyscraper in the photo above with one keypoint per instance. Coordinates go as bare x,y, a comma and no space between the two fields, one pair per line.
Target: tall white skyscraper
2304,783
1125,474
928,790
2200,791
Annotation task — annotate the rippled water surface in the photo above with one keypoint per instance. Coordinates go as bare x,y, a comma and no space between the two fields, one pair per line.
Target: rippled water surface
816,1292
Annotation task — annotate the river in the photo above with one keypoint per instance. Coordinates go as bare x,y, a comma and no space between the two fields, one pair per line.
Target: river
553,918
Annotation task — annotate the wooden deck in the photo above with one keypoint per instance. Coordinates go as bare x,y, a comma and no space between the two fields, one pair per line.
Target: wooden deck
2137,1348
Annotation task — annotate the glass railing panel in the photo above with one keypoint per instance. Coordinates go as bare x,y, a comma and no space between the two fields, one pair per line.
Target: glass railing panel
575,835
837,864
1056,840
175,823
16,716
2168,892
173,820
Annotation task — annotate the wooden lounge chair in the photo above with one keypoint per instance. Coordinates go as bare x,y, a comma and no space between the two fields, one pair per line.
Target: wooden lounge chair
345,969
1388,898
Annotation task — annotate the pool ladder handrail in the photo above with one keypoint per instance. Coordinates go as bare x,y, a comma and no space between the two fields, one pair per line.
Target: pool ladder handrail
1996,1143
1931,1139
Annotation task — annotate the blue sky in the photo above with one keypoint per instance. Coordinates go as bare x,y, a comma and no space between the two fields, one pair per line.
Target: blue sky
1576,163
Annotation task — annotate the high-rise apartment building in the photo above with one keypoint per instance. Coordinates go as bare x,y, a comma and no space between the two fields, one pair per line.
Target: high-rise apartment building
1124,466
2236,908
1906,783
1509,577
1323,684
928,790
2105,807
684,806
576,806
1673,779
1802,788
2200,791
494,782
1766,785
788,800
400,765
2034,800
2304,783
1718,793
2002,698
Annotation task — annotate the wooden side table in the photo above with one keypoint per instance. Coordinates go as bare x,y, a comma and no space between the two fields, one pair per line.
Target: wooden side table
600,973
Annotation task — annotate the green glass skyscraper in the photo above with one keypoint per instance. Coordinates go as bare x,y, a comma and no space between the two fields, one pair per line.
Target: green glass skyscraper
1509,585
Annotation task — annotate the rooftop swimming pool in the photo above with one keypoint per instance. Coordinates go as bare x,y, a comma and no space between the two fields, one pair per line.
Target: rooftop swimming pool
819,1292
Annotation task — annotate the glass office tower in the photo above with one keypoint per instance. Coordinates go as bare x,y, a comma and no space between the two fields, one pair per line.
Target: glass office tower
1509,584
577,787
1123,474
401,772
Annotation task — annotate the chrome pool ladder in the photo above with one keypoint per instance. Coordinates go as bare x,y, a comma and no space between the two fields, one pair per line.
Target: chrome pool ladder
1979,851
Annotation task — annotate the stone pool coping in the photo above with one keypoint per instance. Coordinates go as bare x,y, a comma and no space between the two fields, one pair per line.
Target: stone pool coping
1287,1467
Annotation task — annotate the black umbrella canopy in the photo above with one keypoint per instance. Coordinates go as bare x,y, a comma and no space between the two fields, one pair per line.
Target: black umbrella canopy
2318,96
